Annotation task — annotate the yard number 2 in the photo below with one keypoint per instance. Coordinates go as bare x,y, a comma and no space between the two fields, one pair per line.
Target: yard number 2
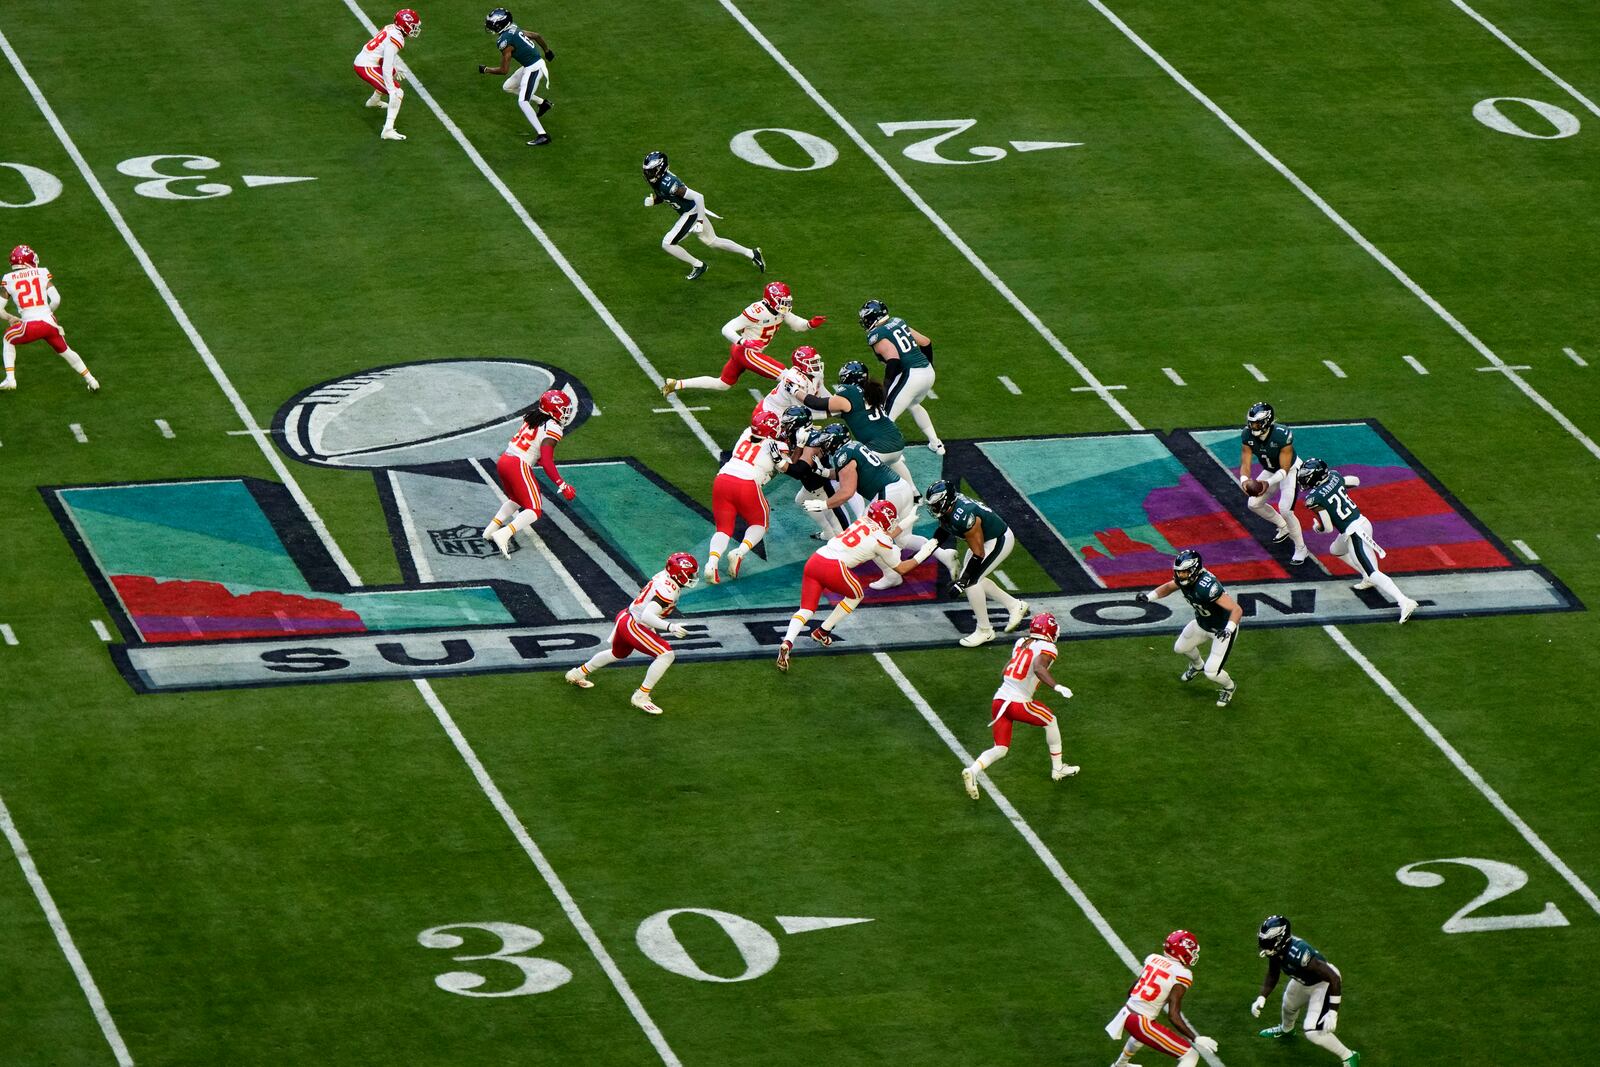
1504,879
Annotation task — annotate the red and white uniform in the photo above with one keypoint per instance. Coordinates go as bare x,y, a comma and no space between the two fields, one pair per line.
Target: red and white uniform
829,567
515,463
748,333
793,386
639,625
1013,701
30,289
736,492
378,62
1161,974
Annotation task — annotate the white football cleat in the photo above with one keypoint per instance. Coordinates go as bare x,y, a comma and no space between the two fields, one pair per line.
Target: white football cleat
488,531
981,636
9,383
936,446
670,386
377,100
1066,770
576,677
736,560
712,576
91,381
1015,616
970,781
502,539
890,579
1365,583
643,703
1407,609
392,135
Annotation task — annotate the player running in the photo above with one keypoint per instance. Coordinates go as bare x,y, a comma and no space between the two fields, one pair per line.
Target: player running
1271,444
829,568
639,627
989,541
1216,615
748,334
542,428
859,401
1013,702
378,64
1334,510
908,359
1162,983
737,493
1315,985
32,289
533,57
693,217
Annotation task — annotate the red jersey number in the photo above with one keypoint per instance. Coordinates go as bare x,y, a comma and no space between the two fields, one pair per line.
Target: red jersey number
748,451
525,436
1021,661
30,294
1148,985
377,42
852,537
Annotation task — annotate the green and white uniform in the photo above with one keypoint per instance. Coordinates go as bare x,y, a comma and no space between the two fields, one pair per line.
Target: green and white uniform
1354,543
1210,620
1266,452
873,428
1305,991
692,218
911,373
875,481
524,82
998,541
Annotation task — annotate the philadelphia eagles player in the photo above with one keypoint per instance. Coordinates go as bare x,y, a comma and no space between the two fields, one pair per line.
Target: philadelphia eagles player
667,188
1216,615
859,479
908,358
1334,510
1315,985
794,428
989,541
859,401
533,57
1271,444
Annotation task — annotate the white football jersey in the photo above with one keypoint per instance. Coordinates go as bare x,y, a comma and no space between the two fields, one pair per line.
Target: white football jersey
861,541
793,385
661,591
29,289
760,324
753,458
1017,681
1155,983
529,440
386,45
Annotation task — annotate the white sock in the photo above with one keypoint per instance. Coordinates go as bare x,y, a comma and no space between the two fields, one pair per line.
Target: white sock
752,537
1270,513
947,556
600,659
1052,737
836,616
530,114
722,244
719,545
797,622
1385,585
658,667
508,509
1129,1047
1292,521
919,415
989,757
396,98
1195,660
680,252
1222,678
1190,1058
900,468
74,361
706,381
1005,598
8,352
979,602
1328,1041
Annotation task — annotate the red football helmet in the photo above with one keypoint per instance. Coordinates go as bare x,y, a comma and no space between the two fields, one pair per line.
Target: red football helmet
1044,624
1182,946
682,567
558,406
777,297
805,357
764,423
408,21
23,256
882,513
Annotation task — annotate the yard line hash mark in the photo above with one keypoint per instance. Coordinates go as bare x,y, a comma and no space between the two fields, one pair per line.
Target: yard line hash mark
756,395
677,409
1347,227
1528,553
1096,388
1579,360
166,430
1528,56
77,433
1334,369
7,634
1505,368
1255,372
1415,365
1011,386
100,630
1173,375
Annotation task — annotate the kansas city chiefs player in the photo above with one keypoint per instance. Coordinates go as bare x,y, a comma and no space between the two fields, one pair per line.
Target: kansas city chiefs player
1161,983
542,427
1013,702
378,64
639,627
829,568
748,334
737,493
801,379
31,288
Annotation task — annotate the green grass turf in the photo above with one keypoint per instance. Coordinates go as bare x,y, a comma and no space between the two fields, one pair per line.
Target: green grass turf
246,872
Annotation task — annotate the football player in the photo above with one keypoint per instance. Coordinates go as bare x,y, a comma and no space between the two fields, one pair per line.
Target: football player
802,378
639,627
668,188
378,64
794,427
1271,444
908,359
1333,510
1216,614
542,428
1315,985
859,401
737,493
747,334
859,479
869,538
1162,983
32,289
533,57
1013,702
989,541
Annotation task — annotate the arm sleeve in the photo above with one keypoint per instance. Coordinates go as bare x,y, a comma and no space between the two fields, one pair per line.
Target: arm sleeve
547,461
1275,478
391,61
795,322
53,298
650,615
731,328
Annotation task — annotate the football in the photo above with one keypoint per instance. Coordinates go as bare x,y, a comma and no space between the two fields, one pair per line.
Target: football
1254,486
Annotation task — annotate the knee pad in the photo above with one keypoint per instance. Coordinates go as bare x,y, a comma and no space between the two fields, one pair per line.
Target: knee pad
666,658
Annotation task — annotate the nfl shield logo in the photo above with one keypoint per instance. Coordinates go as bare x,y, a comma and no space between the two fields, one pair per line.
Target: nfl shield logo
465,541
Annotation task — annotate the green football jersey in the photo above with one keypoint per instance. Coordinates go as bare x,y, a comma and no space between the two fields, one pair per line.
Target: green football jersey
669,189
1202,595
1331,497
894,329
1296,960
1266,449
870,425
523,50
872,477
968,513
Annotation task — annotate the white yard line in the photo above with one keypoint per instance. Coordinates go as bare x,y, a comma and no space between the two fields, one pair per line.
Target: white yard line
1522,546
77,433
1255,372
1011,386
8,635
1528,57
100,630
1579,360
1415,365
1173,375
1334,369
1344,224
588,605
69,948
165,428
1466,769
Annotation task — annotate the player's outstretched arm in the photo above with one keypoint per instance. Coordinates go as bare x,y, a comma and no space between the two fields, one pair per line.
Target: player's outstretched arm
505,63
547,462
1162,590
1041,668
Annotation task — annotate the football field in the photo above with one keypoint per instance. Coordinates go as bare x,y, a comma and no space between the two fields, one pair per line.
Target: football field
288,770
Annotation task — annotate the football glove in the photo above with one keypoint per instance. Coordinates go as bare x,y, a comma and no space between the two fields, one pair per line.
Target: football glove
1257,1005
1205,1044
957,588
550,55
1330,1022
482,69
677,629
1141,597
567,492
1229,630
650,201
815,506
816,320
1066,694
